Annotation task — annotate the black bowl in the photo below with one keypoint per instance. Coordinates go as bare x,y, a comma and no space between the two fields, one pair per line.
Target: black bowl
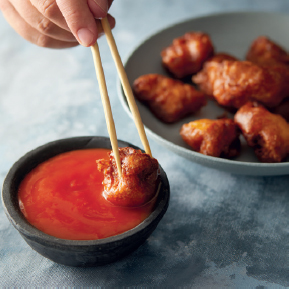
71,252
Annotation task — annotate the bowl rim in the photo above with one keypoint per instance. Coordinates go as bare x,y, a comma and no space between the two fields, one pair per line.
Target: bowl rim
81,142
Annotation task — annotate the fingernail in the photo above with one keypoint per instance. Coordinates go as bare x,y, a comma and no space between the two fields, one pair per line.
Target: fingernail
95,5
85,37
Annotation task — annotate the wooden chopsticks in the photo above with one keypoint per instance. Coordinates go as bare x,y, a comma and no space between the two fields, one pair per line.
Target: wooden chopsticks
106,105
126,86
127,91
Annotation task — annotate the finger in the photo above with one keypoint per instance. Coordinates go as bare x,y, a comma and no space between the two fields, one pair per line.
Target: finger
35,19
80,18
50,10
111,22
98,8
29,33
109,3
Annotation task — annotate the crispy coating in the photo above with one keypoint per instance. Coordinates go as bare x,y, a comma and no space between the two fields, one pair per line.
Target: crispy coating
264,49
265,132
187,54
233,83
140,178
169,99
207,77
217,138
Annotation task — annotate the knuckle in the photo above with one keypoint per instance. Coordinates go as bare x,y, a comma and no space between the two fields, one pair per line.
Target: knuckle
72,15
48,8
43,40
45,26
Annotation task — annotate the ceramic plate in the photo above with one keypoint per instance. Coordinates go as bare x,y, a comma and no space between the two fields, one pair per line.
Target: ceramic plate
230,32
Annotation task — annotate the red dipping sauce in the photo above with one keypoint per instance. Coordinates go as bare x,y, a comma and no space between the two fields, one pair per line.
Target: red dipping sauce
63,197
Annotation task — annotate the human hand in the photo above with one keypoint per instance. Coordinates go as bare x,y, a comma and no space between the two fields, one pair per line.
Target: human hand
57,23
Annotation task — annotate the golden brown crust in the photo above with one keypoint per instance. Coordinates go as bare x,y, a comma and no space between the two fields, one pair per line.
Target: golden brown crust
206,78
233,83
264,49
169,99
140,178
265,132
187,54
218,138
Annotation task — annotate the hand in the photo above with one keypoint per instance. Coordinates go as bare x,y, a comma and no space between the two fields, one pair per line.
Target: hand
57,23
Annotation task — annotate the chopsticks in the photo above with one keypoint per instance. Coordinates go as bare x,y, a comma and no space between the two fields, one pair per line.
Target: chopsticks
106,105
126,86
127,90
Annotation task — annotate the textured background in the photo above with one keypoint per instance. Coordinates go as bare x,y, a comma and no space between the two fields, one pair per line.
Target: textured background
220,231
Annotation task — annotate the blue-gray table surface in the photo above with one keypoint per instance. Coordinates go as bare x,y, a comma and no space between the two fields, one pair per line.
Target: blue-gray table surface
220,231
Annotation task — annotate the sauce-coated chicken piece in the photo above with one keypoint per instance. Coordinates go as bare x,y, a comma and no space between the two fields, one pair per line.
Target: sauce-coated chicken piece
233,83
217,138
169,99
139,182
187,54
265,132
207,77
264,49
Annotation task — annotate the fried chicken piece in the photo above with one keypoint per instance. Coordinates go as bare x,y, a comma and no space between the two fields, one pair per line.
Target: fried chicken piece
169,99
187,54
207,77
264,49
233,83
265,132
139,182
217,138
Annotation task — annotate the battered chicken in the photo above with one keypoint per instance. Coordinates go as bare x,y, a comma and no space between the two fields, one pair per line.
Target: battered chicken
139,182
169,99
217,138
233,83
187,54
264,49
209,75
266,133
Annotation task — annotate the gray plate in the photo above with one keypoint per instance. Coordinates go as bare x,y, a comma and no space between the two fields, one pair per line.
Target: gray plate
230,32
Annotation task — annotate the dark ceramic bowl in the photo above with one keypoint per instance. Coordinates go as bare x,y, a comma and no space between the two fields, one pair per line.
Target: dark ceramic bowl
70,252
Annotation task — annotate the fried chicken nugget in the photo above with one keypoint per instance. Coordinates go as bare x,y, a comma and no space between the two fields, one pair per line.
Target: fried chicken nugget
207,77
217,138
169,99
264,49
139,182
265,132
233,83
187,54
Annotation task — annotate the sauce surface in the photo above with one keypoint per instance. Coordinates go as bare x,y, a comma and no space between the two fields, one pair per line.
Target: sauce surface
63,197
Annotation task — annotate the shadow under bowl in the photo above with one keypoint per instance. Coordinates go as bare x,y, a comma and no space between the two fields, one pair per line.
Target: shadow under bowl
74,252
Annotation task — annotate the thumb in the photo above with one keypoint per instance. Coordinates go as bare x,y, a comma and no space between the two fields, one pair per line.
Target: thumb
80,17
